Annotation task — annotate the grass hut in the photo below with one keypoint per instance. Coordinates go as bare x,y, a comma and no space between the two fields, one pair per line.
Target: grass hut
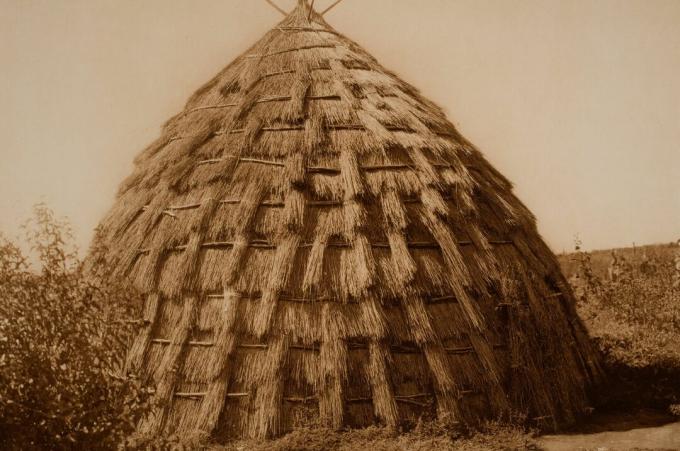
316,241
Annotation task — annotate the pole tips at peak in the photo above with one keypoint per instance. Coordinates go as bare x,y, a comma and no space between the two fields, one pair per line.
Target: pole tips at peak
276,7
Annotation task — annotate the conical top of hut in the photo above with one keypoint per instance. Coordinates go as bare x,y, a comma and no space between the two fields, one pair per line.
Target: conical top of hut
314,238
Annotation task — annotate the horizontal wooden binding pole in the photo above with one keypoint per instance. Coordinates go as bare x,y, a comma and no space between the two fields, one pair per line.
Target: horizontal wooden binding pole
289,128
131,322
210,107
273,99
322,170
278,72
202,344
265,162
325,203
346,127
333,244
294,49
410,401
303,399
273,203
311,203
165,341
211,161
405,349
218,244
387,167
238,395
261,244
423,245
186,207
325,97
230,201
297,347
397,167
306,29
305,300
442,300
398,128
359,400
415,396
305,348
464,350
253,346
311,300
190,395
182,207
284,298
357,345
264,346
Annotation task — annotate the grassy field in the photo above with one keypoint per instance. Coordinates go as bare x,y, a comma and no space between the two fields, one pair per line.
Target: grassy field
601,259
494,437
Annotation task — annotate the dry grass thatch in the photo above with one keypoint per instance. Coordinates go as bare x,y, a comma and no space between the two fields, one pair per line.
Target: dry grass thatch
316,240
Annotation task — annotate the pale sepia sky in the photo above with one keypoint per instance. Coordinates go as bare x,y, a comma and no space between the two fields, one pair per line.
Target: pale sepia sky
576,101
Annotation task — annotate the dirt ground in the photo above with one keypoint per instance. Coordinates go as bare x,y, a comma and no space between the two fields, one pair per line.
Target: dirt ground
642,430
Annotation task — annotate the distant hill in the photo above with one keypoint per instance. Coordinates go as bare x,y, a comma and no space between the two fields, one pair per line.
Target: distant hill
602,258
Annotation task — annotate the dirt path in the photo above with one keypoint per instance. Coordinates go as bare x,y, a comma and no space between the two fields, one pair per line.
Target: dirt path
665,437
643,430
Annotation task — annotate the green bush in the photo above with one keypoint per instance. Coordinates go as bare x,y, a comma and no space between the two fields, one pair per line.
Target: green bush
632,310
63,334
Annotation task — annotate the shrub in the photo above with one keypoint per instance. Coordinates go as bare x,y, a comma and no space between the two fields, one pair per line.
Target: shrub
63,335
633,312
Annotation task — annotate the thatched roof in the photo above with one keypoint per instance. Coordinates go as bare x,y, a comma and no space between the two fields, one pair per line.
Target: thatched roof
316,240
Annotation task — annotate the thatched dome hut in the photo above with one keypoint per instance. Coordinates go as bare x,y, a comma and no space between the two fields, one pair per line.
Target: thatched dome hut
314,239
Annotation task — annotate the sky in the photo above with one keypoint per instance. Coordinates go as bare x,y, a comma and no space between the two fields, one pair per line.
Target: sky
577,102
